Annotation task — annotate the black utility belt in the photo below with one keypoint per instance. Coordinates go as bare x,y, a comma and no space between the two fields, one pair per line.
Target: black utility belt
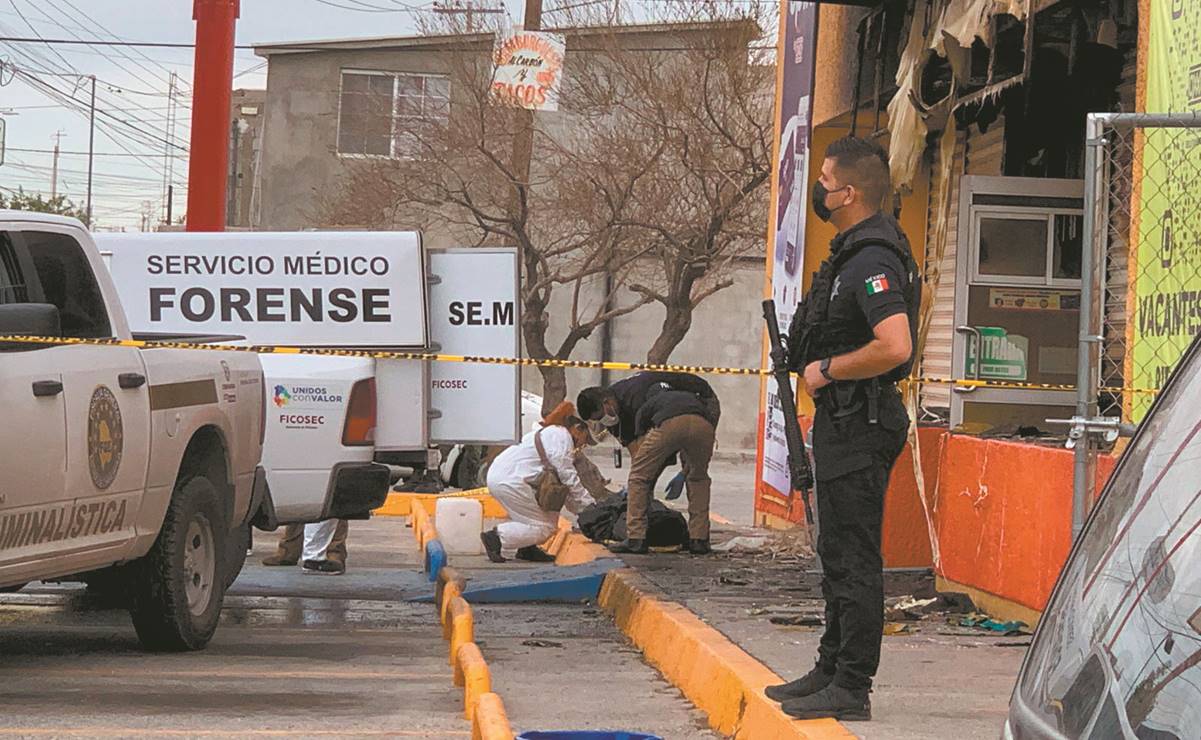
844,398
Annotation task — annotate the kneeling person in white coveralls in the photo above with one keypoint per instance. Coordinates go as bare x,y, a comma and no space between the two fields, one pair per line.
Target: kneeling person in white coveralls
509,480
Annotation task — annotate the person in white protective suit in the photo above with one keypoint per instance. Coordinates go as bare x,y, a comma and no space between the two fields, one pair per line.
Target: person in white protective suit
563,434
316,557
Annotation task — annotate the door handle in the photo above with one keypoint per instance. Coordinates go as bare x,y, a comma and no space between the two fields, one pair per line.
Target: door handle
129,381
47,388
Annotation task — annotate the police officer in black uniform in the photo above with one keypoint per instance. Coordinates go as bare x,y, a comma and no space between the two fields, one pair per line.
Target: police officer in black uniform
853,339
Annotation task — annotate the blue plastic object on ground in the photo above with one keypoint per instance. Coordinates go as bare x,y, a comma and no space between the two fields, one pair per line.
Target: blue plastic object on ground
435,559
585,735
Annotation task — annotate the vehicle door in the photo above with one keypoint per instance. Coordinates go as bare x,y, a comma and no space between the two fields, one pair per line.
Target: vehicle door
106,394
33,430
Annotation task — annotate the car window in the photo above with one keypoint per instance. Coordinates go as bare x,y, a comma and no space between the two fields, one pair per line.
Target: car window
13,288
1119,649
66,280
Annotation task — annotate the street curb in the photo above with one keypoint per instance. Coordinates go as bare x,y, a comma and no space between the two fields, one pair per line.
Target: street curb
404,504
717,676
481,706
573,548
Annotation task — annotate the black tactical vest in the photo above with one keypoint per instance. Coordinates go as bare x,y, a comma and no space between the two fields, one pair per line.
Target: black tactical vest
812,337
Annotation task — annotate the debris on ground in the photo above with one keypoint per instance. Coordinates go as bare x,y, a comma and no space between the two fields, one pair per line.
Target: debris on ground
798,620
907,608
984,622
899,628
542,643
741,544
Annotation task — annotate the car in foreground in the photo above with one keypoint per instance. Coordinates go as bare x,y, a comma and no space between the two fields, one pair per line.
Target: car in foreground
1117,653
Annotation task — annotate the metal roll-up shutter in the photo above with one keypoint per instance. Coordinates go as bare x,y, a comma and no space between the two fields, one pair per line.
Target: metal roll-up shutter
936,355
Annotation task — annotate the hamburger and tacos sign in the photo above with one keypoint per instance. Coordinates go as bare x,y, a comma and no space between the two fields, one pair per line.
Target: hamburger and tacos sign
528,69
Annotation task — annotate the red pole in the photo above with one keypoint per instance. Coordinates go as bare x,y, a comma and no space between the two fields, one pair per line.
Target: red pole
212,84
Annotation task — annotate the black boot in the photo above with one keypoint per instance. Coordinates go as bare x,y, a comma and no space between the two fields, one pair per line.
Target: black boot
699,547
491,540
630,547
534,554
810,683
834,702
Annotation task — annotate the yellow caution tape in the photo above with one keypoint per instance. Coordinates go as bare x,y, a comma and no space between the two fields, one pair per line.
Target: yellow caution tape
522,361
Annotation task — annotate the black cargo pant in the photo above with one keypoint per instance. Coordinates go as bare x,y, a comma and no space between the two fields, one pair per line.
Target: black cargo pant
852,462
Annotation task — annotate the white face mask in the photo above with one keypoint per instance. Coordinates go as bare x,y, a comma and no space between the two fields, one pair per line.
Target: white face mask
609,420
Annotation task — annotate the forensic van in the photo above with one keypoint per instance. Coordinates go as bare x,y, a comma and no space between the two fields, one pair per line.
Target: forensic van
341,427
134,468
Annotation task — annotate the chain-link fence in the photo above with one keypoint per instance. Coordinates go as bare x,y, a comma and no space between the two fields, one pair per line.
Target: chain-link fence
1152,244
1141,296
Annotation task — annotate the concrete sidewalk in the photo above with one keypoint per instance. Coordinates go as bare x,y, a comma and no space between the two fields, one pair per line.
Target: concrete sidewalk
942,681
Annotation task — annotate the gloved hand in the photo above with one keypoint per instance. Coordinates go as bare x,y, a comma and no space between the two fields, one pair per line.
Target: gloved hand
675,487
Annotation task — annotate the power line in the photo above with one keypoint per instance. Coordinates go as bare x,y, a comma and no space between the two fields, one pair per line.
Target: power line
69,71
150,135
80,154
110,132
104,28
415,50
115,62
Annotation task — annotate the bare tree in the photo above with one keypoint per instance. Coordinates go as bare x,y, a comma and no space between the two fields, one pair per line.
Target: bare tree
700,202
645,185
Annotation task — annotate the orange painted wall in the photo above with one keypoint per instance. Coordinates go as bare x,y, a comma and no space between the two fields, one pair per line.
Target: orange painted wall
906,542
1005,515
1001,512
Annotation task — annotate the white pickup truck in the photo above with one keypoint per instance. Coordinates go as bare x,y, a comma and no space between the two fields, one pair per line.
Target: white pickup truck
340,428
119,465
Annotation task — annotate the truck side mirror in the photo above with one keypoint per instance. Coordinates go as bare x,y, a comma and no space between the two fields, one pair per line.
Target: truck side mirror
33,319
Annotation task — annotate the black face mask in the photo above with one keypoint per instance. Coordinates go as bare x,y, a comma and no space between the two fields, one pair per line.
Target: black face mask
820,194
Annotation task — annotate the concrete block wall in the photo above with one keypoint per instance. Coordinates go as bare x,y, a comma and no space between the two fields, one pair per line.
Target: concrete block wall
727,330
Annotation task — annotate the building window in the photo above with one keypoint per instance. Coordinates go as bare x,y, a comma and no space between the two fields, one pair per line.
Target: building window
384,114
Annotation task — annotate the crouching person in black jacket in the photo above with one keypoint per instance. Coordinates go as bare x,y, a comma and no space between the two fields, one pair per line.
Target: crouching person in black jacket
660,415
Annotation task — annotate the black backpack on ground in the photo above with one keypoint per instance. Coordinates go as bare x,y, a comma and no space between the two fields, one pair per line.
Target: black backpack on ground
606,520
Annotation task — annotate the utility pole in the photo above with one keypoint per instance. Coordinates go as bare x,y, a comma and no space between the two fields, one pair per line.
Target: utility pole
208,159
58,137
168,155
91,146
523,144
469,11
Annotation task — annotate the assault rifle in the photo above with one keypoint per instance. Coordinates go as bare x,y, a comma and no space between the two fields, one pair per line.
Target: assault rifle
799,472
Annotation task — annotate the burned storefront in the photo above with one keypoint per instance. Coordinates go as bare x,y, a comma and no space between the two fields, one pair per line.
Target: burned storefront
982,105
986,101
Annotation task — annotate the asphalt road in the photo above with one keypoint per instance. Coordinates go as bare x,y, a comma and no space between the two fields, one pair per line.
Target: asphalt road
319,656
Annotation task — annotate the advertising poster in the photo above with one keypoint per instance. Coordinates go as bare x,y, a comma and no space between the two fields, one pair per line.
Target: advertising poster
528,69
1167,290
786,231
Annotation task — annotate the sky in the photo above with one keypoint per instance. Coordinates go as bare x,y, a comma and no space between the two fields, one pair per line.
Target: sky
132,162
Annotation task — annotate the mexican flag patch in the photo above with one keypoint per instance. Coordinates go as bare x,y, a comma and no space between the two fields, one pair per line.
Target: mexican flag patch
876,284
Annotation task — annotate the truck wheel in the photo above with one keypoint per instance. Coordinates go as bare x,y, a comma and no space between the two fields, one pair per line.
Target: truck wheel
178,593
236,545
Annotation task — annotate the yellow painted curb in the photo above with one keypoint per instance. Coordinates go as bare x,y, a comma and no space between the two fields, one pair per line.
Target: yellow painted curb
717,676
477,680
483,708
576,549
403,504
462,630
490,721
